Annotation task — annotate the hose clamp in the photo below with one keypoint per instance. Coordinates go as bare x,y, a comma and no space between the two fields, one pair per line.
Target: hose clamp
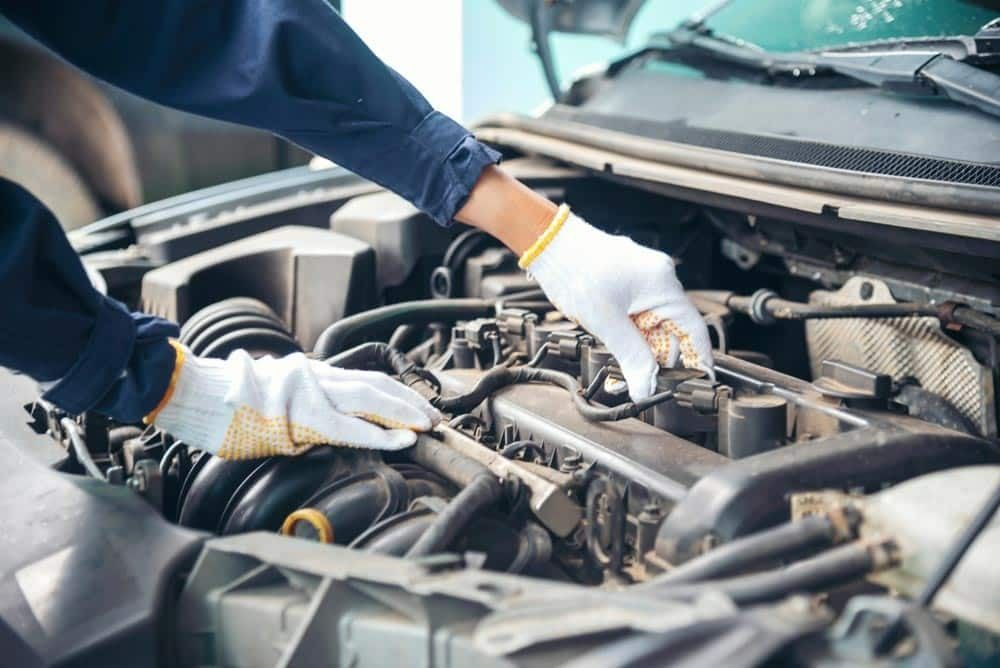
757,311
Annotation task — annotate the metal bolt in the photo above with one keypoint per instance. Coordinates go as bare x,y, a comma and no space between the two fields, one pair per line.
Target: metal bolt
571,462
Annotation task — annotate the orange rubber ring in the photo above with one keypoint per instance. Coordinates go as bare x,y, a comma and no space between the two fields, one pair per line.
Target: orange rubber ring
316,520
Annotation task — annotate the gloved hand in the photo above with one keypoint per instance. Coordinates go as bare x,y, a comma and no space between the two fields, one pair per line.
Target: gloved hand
625,294
241,408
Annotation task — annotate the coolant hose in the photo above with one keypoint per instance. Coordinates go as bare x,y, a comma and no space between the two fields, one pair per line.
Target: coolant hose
931,407
787,539
380,355
483,491
376,321
828,569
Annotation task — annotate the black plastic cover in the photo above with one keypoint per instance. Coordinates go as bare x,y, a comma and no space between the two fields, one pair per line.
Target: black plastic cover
87,570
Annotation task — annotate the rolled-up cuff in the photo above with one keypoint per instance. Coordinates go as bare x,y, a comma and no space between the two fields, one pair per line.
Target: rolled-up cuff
100,365
460,160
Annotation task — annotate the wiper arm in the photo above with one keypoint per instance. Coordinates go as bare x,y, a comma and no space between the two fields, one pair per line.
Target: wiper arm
930,73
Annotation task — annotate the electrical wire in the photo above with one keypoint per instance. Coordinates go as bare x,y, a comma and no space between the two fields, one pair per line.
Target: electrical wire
512,450
177,450
79,448
501,377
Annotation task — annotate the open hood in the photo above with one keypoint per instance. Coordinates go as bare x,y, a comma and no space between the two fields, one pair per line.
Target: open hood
610,18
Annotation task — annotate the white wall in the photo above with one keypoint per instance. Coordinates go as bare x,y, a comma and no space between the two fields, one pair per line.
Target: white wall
421,39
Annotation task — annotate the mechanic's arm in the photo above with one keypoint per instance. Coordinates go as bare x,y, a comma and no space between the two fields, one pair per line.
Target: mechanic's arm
289,66
90,353
88,350
296,69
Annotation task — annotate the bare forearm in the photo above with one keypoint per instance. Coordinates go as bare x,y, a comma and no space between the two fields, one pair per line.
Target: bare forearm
505,208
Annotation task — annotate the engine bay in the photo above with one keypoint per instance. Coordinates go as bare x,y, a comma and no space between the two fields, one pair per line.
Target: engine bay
853,378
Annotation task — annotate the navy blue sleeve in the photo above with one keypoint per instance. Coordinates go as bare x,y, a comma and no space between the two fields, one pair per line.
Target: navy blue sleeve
289,66
56,328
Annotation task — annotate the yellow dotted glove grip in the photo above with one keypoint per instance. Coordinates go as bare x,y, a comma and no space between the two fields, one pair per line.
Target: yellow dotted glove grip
657,332
252,435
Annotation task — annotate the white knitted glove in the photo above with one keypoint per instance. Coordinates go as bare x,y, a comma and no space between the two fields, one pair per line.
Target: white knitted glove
625,294
241,408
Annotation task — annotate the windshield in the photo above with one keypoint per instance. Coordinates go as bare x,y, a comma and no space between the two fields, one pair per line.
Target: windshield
802,25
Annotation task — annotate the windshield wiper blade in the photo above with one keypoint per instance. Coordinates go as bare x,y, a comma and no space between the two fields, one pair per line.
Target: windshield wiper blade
929,73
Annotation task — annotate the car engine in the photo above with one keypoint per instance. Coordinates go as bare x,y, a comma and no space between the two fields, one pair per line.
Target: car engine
805,492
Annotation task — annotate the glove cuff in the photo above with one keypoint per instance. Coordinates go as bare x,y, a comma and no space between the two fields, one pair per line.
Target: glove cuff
193,409
546,237
180,354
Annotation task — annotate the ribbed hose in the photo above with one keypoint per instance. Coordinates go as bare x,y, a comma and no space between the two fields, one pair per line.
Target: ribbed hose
501,377
788,539
483,491
386,318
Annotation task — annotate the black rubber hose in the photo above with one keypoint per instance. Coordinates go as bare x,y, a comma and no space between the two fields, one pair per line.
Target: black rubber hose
482,492
512,450
376,354
501,377
254,339
402,335
233,324
118,436
611,558
383,357
782,541
379,320
176,451
927,405
534,547
354,503
466,420
395,535
828,569
223,310
974,319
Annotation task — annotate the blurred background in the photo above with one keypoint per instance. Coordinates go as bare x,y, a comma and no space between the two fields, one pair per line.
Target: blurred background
88,150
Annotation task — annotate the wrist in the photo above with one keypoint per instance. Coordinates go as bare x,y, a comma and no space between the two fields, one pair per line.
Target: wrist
506,209
546,237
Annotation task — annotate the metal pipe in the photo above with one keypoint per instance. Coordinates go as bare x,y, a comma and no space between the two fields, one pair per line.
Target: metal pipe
460,459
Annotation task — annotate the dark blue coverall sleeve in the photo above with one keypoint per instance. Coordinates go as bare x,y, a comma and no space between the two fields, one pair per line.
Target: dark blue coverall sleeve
289,66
